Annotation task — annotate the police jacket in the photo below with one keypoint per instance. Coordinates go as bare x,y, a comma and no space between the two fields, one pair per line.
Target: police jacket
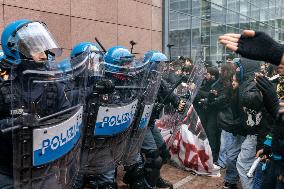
6,147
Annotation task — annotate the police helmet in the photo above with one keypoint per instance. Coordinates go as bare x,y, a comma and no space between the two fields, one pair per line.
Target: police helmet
25,39
117,57
82,47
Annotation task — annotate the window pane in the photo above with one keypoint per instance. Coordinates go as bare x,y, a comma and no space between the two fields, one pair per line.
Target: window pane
174,5
254,12
196,7
244,7
232,19
233,5
196,25
217,14
218,2
244,23
254,25
184,6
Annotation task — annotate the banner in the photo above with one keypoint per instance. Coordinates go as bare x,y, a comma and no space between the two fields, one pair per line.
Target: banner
190,147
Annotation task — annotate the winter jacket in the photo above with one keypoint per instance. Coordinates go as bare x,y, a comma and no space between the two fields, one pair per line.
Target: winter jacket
218,102
201,99
244,114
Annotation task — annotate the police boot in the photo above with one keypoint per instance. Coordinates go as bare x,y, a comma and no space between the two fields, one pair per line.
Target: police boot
162,183
152,167
108,186
134,176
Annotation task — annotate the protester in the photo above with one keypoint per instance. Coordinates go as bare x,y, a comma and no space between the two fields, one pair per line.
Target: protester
259,46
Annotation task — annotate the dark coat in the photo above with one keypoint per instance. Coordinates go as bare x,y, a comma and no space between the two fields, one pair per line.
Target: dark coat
244,114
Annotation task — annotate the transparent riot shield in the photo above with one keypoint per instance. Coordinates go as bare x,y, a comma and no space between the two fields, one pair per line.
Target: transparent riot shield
186,90
146,104
47,122
110,118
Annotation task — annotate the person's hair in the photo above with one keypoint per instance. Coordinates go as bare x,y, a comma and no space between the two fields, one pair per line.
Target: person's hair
227,72
176,63
230,56
213,71
187,69
189,60
180,64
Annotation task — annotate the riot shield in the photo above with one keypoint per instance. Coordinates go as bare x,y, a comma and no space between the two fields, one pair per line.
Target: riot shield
146,104
184,133
110,118
47,122
187,91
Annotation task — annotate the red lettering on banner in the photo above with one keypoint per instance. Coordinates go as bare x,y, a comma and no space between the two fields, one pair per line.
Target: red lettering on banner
203,158
193,163
196,155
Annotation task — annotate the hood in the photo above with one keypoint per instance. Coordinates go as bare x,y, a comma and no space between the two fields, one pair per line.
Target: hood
248,68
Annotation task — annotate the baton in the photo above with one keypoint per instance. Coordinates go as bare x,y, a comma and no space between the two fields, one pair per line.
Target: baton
10,129
97,40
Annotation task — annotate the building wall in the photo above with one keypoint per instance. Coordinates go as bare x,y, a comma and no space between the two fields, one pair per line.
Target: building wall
113,22
194,25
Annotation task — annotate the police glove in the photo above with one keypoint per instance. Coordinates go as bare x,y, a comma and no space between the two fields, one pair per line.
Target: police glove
270,98
260,47
104,87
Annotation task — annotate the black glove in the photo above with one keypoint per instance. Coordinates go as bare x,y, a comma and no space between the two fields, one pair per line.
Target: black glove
104,87
260,47
270,98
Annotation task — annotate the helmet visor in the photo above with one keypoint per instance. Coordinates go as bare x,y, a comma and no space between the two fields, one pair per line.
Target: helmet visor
128,68
96,65
33,39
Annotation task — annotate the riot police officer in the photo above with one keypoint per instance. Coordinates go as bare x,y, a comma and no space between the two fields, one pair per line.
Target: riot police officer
147,174
109,117
29,59
13,57
95,87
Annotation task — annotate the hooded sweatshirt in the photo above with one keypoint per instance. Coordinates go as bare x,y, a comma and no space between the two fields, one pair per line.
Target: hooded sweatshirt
250,98
243,114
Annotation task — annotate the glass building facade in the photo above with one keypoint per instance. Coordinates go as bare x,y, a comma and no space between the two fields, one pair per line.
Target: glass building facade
194,25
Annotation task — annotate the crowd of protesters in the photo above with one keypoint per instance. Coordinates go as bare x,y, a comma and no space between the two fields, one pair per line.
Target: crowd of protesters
240,109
